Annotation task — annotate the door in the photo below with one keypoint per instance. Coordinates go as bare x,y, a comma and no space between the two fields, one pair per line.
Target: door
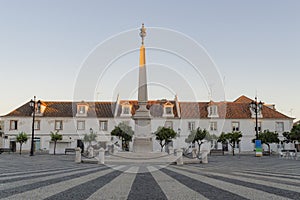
37,144
13,146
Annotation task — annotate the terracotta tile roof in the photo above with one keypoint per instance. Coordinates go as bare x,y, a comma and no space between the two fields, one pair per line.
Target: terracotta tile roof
243,99
191,109
156,107
239,109
66,109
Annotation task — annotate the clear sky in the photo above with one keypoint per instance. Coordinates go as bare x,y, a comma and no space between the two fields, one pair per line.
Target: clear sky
254,44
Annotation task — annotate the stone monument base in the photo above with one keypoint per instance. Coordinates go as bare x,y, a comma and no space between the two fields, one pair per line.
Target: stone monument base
142,144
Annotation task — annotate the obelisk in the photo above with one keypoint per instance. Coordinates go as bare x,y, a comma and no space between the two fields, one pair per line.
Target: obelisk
142,141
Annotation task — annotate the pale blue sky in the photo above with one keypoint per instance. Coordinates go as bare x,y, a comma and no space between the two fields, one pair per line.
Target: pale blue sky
255,44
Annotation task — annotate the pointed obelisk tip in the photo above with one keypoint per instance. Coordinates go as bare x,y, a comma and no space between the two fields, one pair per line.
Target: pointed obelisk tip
143,33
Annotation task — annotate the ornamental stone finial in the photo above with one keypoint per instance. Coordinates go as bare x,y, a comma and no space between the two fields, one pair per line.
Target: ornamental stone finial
143,33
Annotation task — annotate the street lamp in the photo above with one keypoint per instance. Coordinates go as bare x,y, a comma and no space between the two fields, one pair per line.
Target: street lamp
34,105
256,108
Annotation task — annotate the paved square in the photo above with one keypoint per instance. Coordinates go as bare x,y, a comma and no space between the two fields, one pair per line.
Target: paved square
224,177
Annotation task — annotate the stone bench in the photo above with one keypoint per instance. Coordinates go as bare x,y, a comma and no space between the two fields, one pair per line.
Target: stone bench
219,152
69,150
5,150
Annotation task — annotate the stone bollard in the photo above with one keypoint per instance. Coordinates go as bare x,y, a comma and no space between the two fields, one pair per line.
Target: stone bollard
91,152
204,159
171,150
101,156
179,161
194,153
77,155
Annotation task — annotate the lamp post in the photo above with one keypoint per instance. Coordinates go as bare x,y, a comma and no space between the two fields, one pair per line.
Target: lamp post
34,105
256,108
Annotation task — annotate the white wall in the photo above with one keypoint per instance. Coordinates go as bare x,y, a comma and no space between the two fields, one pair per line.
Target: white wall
71,134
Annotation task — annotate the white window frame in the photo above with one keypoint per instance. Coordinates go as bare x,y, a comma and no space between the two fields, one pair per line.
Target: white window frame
233,128
213,111
58,125
191,125
168,110
103,125
168,124
37,124
213,126
1,125
80,125
13,125
126,110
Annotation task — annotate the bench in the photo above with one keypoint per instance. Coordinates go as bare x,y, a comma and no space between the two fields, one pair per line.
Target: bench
69,150
5,150
288,153
219,152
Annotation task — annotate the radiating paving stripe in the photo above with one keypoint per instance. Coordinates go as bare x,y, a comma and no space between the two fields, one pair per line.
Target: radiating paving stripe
26,181
118,188
23,186
246,192
283,190
37,175
290,176
282,180
206,189
86,189
172,188
16,174
145,187
47,191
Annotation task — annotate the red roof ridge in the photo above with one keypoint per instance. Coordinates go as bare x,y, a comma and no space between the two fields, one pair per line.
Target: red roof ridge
243,99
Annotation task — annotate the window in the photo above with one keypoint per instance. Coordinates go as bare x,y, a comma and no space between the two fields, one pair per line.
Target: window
13,125
191,126
126,110
80,125
213,126
37,125
1,125
213,111
103,125
169,124
258,126
168,110
58,125
279,127
81,109
235,126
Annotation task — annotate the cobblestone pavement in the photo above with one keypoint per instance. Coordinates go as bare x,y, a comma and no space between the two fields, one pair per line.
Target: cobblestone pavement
224,177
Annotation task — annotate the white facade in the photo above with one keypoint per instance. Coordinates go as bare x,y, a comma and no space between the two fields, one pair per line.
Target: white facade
75,125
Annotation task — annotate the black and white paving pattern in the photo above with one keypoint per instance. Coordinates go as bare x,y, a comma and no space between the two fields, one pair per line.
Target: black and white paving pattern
224,177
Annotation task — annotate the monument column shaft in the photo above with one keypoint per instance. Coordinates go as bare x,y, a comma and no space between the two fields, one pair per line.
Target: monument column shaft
142,142
142,92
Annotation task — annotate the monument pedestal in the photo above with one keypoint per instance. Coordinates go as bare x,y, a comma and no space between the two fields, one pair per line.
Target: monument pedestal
142,145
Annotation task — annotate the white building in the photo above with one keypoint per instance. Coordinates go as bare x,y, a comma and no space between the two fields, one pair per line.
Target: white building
74,119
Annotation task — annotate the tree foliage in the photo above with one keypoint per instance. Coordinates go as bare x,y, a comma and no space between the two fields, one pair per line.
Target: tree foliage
164,136
198,136
22,138
125,133
267,137
232,138
55,136
294,135
89,138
